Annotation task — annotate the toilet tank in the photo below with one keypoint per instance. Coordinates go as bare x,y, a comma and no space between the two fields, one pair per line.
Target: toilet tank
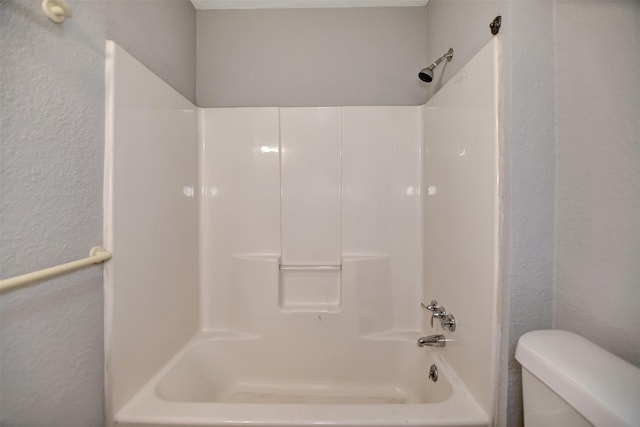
569,381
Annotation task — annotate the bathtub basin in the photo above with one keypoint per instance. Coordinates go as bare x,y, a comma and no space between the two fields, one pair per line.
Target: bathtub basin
222,379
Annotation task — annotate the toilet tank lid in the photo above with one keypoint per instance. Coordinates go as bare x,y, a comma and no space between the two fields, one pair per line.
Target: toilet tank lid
599,385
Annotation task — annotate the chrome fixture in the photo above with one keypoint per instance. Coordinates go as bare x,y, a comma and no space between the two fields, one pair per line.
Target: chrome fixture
447,321
439,312
432,341
426,74
433,305
433,373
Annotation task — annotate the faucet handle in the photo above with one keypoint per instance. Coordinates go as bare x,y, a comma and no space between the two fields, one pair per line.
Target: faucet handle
433,306
449,323
439,312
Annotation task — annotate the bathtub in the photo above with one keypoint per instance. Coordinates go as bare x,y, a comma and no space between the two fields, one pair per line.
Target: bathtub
227,379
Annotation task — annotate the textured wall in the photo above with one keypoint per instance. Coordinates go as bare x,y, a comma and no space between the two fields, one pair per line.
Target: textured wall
51,163
531,169
311,57
598,175
51,212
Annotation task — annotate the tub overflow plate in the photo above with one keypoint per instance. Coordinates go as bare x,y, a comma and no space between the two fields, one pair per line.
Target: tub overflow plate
433,373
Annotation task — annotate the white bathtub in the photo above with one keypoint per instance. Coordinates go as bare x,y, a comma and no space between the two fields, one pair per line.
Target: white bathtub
221,379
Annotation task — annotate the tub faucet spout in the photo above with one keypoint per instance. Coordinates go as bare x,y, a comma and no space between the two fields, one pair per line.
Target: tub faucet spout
432,341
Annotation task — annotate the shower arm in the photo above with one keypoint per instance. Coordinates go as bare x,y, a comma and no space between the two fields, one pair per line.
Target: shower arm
448,56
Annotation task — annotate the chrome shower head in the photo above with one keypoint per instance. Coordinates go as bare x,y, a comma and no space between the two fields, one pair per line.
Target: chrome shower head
426,74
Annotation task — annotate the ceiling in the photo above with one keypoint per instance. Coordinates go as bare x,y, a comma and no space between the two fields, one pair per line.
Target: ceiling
300,4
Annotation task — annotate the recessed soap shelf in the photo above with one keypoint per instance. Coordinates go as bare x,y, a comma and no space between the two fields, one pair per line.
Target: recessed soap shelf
310,288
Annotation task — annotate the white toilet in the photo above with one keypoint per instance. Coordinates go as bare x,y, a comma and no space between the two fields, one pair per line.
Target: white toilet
568,381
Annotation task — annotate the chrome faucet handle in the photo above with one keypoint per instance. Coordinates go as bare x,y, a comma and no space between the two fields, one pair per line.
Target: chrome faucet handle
433,306
449,323
440,313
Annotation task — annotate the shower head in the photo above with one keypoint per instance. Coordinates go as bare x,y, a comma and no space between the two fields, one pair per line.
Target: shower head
426,74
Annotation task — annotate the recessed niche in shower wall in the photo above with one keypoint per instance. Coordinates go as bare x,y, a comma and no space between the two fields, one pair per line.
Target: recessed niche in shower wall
310,290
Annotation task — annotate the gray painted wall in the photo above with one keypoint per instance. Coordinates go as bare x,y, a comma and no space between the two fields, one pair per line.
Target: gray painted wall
51,166
598,174
161,34
311,57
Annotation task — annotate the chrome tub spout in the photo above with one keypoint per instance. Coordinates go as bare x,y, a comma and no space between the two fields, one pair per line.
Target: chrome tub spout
432,341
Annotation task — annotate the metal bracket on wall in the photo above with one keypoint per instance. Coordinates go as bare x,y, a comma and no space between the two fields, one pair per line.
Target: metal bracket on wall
495,25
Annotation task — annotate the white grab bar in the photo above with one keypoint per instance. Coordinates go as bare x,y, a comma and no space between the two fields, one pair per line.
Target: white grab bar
97,255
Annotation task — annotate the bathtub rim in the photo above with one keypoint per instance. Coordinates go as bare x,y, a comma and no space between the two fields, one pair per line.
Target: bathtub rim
146,407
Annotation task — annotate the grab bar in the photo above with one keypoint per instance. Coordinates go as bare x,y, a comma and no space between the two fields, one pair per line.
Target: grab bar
97,255
310,267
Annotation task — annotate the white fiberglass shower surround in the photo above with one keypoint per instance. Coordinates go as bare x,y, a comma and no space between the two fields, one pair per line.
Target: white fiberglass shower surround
269,263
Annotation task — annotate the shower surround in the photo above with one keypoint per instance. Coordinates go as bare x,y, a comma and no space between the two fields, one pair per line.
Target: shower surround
279,256
294,194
